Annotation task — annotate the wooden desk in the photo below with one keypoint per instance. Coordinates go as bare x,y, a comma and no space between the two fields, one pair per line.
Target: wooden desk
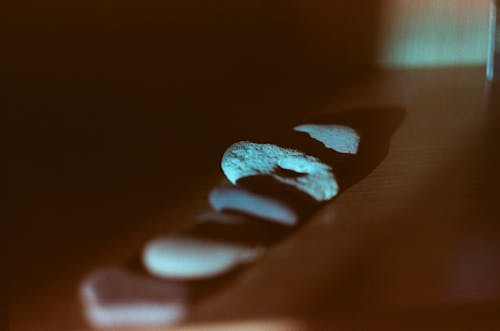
415,245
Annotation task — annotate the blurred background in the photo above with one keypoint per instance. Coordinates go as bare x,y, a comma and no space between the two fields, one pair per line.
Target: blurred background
115,108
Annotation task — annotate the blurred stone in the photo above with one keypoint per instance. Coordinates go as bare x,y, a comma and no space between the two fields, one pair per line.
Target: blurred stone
190,258
288,166
241,200
238,229
116,298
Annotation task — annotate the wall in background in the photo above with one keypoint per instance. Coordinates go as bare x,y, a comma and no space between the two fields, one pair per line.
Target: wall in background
433,32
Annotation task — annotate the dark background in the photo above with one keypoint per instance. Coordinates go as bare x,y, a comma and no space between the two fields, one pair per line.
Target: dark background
115,108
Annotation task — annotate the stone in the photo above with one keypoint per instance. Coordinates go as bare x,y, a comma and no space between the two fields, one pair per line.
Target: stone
238,229
375,127
238,199
117,298
340,138
189,258
288,166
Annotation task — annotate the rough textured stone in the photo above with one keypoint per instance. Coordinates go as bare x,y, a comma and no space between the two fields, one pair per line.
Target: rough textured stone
185,258
292,167
238,199
117,298
340,138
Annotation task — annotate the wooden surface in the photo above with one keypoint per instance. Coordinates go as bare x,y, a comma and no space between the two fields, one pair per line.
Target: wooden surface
413,246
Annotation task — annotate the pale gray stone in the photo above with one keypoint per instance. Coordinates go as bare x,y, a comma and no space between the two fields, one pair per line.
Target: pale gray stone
245,158
117,298
186,258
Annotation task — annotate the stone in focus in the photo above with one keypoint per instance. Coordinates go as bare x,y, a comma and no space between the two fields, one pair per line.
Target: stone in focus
185,258
243,201
117,298
288,166
340,138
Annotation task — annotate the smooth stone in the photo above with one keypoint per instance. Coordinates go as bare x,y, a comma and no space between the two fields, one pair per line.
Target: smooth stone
238,199
185,258
340,138
239,229
288,166
117,298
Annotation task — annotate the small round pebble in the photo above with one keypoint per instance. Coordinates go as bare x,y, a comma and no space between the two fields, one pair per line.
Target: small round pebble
116,298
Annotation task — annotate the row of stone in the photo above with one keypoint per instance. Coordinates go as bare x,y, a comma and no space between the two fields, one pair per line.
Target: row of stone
270,190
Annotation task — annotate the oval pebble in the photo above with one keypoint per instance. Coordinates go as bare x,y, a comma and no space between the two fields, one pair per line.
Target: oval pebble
184,258
117,298
238,229
238,199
